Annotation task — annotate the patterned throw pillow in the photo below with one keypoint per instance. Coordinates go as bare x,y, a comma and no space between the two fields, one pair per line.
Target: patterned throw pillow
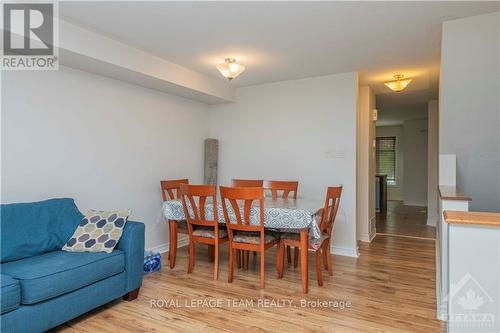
99,231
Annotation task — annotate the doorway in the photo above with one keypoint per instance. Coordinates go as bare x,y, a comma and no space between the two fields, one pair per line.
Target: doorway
401,166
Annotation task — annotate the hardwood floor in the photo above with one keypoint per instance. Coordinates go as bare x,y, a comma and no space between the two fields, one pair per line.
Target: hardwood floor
391,288
405,221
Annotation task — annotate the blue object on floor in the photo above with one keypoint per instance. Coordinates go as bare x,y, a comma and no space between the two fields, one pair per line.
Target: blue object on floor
152,262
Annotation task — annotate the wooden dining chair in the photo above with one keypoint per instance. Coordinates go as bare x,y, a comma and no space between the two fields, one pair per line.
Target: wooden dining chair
247,182
201,229
284,189
170,190
243,235
242,256
326,225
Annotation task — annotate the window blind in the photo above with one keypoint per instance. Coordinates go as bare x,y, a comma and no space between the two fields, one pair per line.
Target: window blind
386,158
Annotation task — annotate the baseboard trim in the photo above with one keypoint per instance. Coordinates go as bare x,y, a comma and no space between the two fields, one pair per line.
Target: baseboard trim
344,251
414,237
182,242
163,248
364,238
367,238
415,203
337,250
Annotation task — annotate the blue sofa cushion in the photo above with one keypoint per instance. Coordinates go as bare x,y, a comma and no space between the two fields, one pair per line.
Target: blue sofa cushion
10,294
55,273
30,229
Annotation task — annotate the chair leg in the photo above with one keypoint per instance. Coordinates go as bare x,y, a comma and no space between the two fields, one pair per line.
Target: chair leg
318,267
288,255
238,259
173,240
280,259
254,256
326,250
283,249
304,245
211,252
169,240
191,256
329,256
262,268
216,261
247,257
231,263
295,257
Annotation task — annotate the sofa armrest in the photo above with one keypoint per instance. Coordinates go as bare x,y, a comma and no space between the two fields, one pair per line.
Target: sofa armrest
132,243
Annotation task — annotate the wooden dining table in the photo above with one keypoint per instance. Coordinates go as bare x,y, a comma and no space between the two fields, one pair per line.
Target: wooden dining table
301,215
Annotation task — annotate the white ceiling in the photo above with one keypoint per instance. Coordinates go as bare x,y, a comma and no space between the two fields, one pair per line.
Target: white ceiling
286,40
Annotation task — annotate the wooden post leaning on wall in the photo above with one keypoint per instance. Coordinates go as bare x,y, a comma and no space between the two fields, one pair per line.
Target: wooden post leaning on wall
211,161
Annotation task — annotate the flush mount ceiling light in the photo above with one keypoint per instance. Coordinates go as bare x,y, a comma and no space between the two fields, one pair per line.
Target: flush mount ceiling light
230,68
399,84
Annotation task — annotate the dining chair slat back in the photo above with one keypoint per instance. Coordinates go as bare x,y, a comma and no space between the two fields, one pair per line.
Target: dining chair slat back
247,195
330,209
287,188
247,183
170,188
197,214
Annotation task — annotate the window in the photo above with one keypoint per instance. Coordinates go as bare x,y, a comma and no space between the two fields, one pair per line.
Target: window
386,158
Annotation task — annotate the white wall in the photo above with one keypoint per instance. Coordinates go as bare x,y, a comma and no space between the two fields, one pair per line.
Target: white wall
474,264
469,110
366,165
395,192
103,142
107,143
415,164
432,162
301,129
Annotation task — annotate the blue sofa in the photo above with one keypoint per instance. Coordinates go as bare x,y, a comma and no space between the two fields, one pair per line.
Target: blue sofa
42,286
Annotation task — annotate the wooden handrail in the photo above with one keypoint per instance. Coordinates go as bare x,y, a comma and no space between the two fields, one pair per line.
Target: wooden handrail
452,193
472,218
